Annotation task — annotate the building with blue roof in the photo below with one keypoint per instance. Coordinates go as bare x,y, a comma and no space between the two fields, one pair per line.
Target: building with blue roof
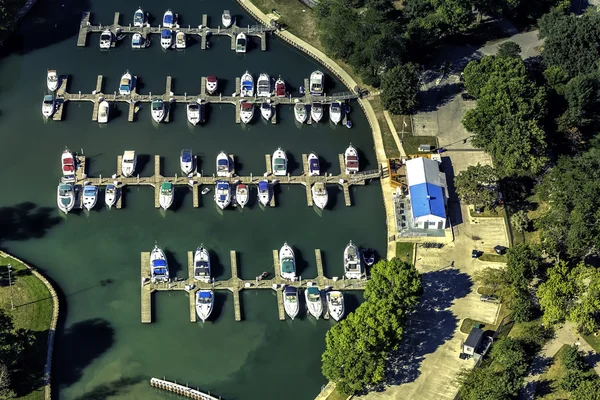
428,193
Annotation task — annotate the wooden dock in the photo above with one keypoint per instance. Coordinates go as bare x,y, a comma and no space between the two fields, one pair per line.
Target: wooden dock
181,390
146,289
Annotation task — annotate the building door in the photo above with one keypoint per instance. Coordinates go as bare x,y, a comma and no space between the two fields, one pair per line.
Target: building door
440,224
426,225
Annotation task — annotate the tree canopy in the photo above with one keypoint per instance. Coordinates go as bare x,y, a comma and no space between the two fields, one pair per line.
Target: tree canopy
477,185
399,89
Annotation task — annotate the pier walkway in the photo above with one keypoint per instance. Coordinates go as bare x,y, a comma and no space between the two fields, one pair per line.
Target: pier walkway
181,390
235,284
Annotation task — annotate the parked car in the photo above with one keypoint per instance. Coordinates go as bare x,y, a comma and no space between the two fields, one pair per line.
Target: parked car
476,253
486,298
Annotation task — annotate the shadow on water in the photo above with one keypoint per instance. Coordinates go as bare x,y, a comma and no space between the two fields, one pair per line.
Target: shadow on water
141,163
180,195
301,263
335,193
325,165
115,388
292,164
216,266
174,265
220,301
26,221
351,302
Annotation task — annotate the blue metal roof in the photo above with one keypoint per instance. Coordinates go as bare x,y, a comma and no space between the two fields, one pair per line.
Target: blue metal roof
427,199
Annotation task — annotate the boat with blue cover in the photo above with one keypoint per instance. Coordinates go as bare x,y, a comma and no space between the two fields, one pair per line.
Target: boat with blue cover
247,89
287,262
223,165
168,19
264,194
126,84
166,38
223,194
159,268
205,300
186,161
202,264
90,196
314,301
368,256
314,167
139,18
290,301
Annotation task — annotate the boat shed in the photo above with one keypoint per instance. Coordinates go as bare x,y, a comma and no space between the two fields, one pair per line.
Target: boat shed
428,193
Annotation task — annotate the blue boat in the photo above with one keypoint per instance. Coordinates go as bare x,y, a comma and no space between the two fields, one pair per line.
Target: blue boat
186,161
139,18
168,19
264,193
314,168
166,39
247,89
159,269
223,194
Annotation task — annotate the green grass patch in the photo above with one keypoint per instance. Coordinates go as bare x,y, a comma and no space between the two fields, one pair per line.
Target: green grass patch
497,212
399,121
485,291
389,144
337,395
468,324
404,248
411,143
297,17
594,341
33,311
548,387
493,257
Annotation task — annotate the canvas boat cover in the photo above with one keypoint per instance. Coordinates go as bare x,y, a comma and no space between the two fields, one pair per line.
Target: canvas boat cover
204,295
211,79
65,190
159,271
279,161
166,34
314,164
90,191
263,186
287,265
280,89
157,104
168,18
186,156
290,290
159,263
166,187
68,168
138,16
48,98
313,292
222,162
247,106
222,186
247,85
201,268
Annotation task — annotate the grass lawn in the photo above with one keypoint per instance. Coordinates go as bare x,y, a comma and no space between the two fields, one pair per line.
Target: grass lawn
469,323
391,150
498,212
336,395
593,341
33,311
409,142
493,257
549,385
402,248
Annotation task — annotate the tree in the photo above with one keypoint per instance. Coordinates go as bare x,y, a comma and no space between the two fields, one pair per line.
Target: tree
573,359
520,221
511,355
587,390
477,185
521,306
484,384
396,281
509,49
494,279
557,294
399,89
524,261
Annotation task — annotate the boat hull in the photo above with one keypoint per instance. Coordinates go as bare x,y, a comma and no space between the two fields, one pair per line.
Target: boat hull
166,201
291,309
286,252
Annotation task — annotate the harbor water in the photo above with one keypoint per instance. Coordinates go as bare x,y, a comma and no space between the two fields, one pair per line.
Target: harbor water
102,349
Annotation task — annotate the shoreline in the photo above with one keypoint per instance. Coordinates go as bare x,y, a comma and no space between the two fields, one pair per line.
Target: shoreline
51,328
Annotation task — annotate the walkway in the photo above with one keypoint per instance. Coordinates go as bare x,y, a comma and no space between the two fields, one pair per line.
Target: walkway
394,133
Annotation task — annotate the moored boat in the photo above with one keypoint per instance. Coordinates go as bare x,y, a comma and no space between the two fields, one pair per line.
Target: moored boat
266,110
241,42
264,193
159,268
48,106
103,112
314,166
335,304
316,111
279,163
205,300
106,39
320,195
223,165
368,256
300,112
186,161
241,194
353,268
226,19
90,196
139,18
166,38
317,83
110,195
314,301
211,84
193,112
167,194
68,166
158,109
351,160
202,265
223,194
263,85
290,301
247,89
65,197
335,112
246,111
129,162
137,41
126,84
280,87
168,19
287,262
180,40
52,80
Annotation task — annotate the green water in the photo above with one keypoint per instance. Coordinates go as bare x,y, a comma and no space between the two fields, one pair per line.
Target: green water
102,349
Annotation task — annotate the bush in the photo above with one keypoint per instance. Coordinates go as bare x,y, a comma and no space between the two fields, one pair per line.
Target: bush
573,359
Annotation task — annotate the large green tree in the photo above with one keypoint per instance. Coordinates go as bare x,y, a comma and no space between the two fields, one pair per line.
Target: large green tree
477,185
399,89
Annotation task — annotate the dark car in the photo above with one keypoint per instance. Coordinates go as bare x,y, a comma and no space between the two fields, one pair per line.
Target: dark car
476,253
467,97
486,298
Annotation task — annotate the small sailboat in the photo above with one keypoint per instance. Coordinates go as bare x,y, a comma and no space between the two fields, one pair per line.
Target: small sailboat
193,112
226,19
335,112
159,268
223,165
223,194
317,83
263,85
158,109
129,163
166,196
314,301
314,167
266,110
290,301
241,42
106,39
353,268
287,262
139,18
110,195
335,304
137,41
126,84
90,196
180,40
202,265
205,300
264,193
186,161
316,111
351,160
241,194
319,195
279,163
166,38
280,87
211,84
48,106
68,166
65,197
168,19
368,256
247,89
103,111
52,80
246,111
300,112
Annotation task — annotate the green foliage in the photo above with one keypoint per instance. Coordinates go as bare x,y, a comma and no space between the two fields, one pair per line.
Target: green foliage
587,390
520,221
484,384
571,380
521,306
509,49
396,281
399,89
477,185
511,355
5,385
533,335
524,261
573,359
556,294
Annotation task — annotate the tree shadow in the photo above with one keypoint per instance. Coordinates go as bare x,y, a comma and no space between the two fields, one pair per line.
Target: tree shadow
117,387
14,275
28,373
26,221
542,388
454,210
437,96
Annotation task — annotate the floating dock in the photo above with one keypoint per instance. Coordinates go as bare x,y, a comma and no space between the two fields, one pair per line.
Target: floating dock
235,284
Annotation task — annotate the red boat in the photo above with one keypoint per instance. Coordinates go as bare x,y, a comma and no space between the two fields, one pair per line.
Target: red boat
280,88
211,84
68,165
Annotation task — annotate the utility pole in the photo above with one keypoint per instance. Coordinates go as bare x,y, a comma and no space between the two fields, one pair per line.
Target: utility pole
12,304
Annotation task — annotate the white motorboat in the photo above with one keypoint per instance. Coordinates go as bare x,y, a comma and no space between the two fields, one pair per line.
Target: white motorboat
169,19
106,39
223,194
300,112
129,162
279,163
263,85
205,300
126,84
48,106
266,110
335,112
193,112
166,39
226,19
351,160
316,111
280,87
159,268
158,109
139,18
167,194
65,197
314,301
186,161
103,111
335,304
90,196
52,80
180,40
68,166
317,83
264,193
314,166
137,41
320,195
290,301
241,194
211,84
246,111
241,42
247,89
287,262
205,191
110,195
353,268
202,265
224,166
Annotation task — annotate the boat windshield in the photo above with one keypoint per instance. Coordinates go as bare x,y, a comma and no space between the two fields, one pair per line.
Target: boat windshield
263,186
186,156
52,77
201,268
313,294
193,107
105,36
65,190
335,299
157,105
241,42
287,265
205,297
48,99
90,191
166,188
165,34
138,17
291,297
